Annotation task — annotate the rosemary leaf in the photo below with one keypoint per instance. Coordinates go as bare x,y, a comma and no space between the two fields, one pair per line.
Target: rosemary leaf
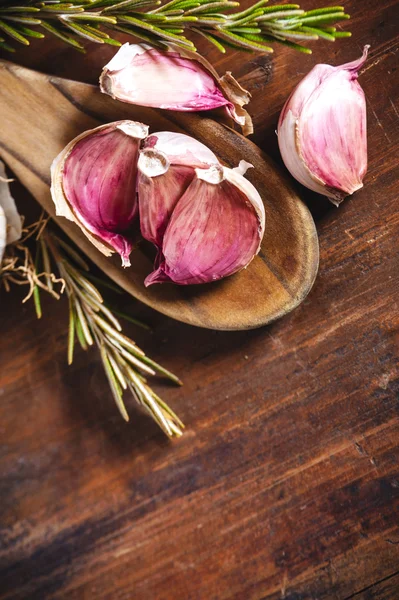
129,318
212,39
320,33
62,36
82,31
71,334
320,11
36,298
246,41
82,320
118,372
137,362
80,334
31,32
19,9
14,33
114,385
23,20
46,264
158,368
104,283
6,46
77,258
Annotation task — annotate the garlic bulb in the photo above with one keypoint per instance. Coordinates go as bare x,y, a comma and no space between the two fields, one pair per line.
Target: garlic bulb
10,220
94,183
173,79
215,229
166,168
322,130
207,221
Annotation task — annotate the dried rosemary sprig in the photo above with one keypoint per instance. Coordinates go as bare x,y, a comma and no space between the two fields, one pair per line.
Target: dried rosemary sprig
161,23
90,321
19,267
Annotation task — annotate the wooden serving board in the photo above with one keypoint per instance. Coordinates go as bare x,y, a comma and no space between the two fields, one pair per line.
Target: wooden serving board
41,114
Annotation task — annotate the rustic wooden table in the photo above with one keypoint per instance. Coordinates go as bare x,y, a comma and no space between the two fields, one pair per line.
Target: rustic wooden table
286,482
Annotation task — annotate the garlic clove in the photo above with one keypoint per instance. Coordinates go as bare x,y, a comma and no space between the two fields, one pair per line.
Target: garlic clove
161,185
94,184
215,229
166,168
322,131
174,79
11,215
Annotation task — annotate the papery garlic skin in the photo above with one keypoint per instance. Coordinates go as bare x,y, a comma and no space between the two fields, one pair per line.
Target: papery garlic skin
173,79
166,168
3,233
11,214
181,149
10,219
322,131
94,183
215,229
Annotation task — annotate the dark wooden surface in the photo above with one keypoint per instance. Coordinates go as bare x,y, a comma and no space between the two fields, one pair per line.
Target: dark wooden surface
286,483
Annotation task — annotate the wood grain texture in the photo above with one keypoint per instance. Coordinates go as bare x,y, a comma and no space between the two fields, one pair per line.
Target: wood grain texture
286,482
275,282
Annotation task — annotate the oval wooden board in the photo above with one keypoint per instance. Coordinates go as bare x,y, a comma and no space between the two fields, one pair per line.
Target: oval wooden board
41,114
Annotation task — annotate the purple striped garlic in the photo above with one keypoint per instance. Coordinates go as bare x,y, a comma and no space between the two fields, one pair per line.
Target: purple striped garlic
174,79
322,130
94,184
214,231
166,168
206,221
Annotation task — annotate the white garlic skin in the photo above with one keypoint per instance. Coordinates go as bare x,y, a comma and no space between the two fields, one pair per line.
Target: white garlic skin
10,219
3,232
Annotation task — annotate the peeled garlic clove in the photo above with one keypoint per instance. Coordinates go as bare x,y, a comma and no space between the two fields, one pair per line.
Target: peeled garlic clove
322,131
166,168
7,202
94,184
214,231
174,79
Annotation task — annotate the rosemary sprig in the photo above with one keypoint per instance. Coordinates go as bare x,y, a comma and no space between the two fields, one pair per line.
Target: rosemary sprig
163,23
91,322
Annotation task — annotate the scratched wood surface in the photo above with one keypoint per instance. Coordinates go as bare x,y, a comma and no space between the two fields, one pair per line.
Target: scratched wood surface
286,483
